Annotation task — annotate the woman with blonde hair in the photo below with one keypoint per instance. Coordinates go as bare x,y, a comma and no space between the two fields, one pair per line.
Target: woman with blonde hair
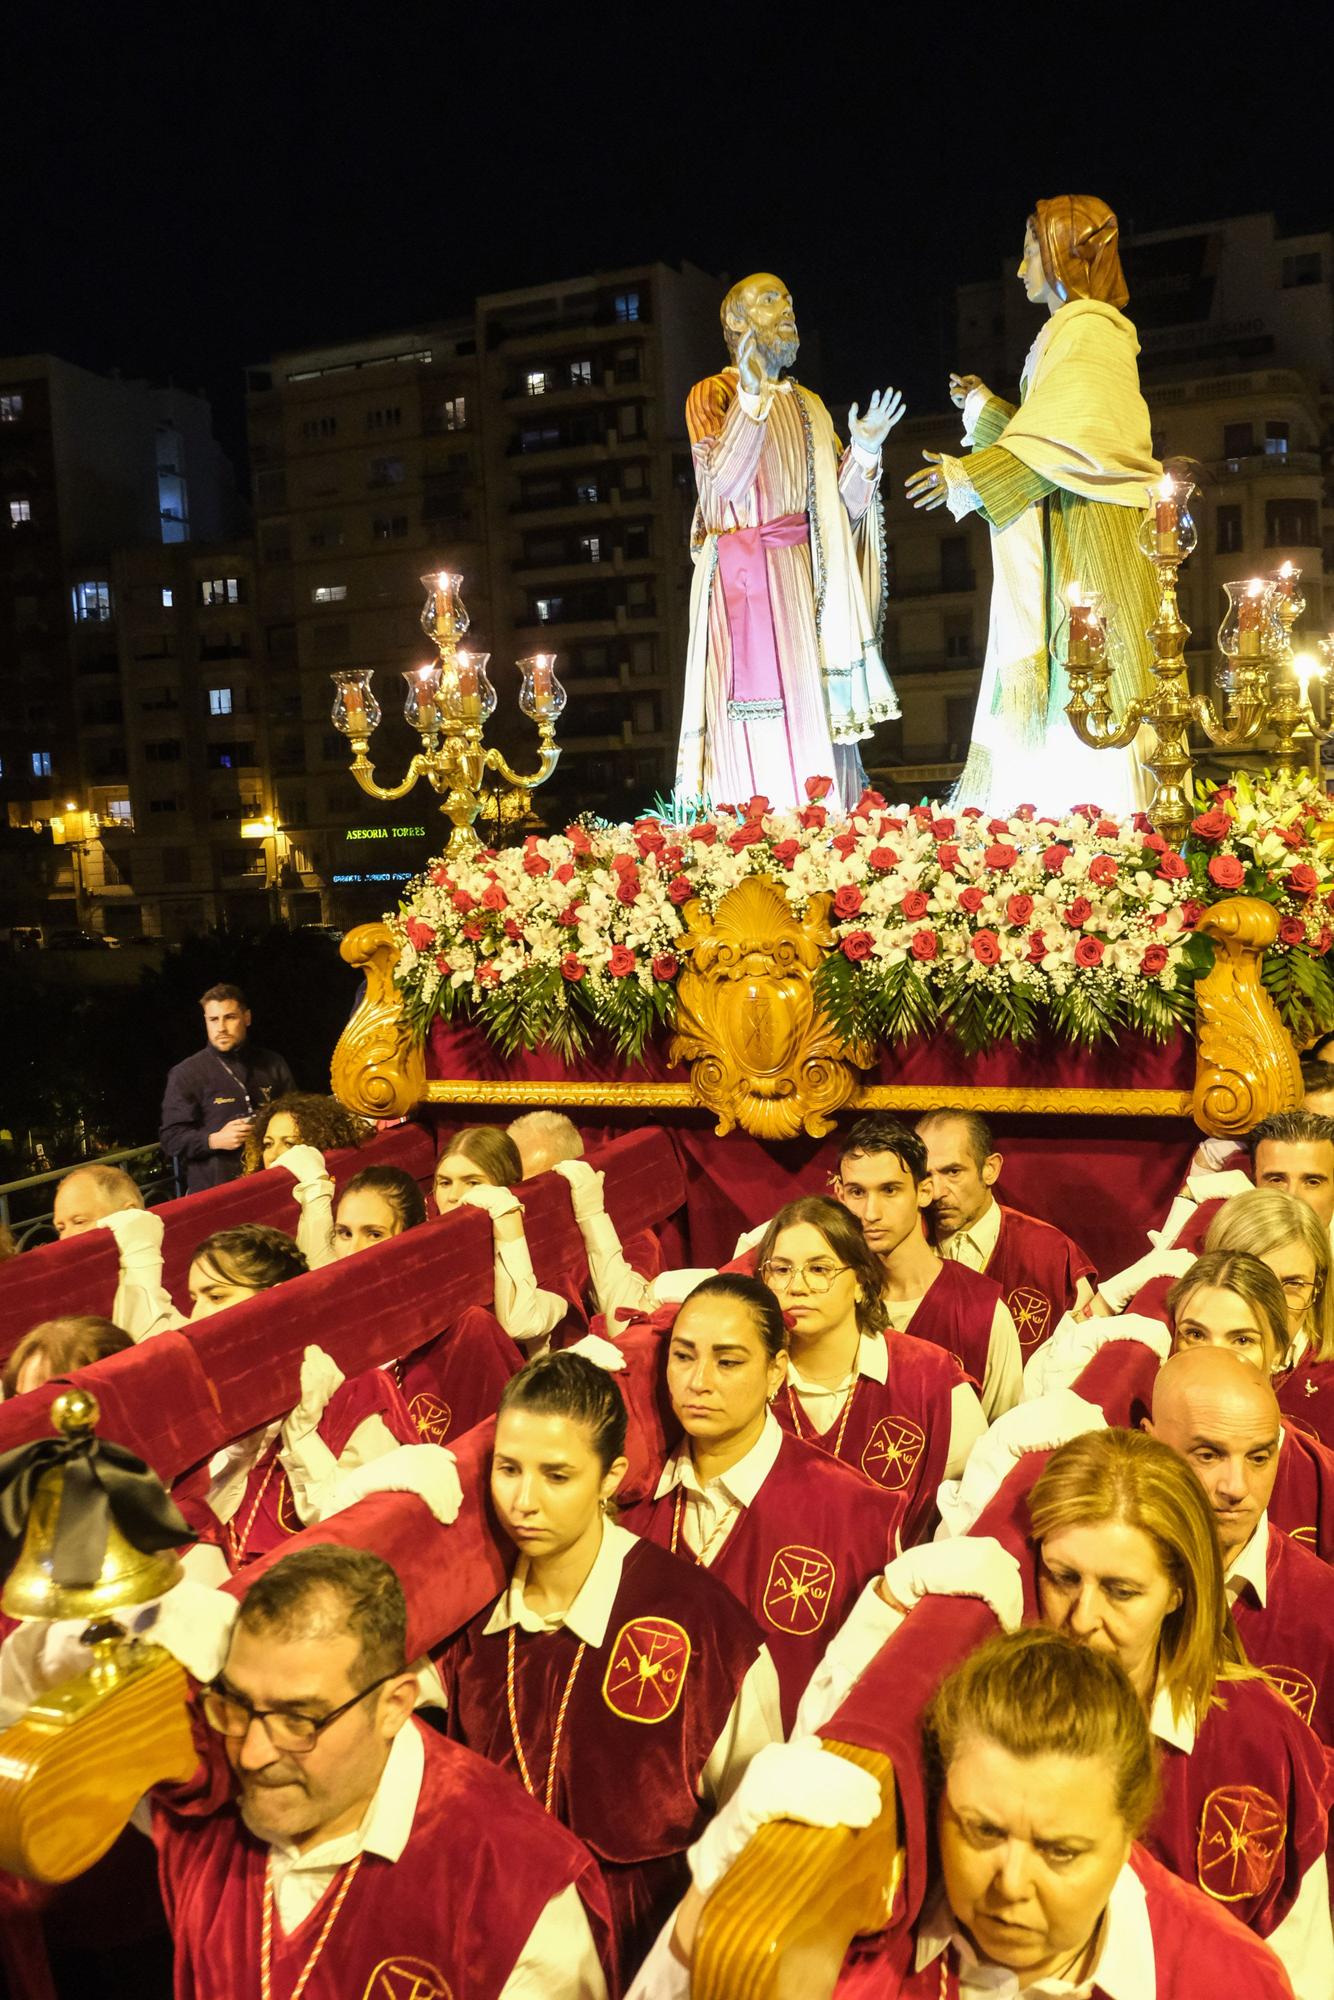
1291,1239
478,1168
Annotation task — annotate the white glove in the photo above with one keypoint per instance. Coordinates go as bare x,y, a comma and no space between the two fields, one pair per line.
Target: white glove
427,1470
1219,1187
748,1238
585,1184
1040,1425
494,1201
194,1624
306,1166
138,1233
1060,1361
602,1352
800,1780
1122,1287
971,1566
321,1379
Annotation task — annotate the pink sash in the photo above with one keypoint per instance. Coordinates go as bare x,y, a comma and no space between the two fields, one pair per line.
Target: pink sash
756,689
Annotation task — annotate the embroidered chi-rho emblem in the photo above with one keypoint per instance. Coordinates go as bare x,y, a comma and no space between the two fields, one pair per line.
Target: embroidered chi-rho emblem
432,1417
892,1451
647,1669
1296,1688
1031,1312
407,1979
796,1597
1242,1831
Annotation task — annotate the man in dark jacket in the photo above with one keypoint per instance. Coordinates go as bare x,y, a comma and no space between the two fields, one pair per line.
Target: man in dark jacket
211,1097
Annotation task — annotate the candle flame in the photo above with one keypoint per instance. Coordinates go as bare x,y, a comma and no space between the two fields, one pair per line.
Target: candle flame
1287,569
1167,487
1256,587
1075,595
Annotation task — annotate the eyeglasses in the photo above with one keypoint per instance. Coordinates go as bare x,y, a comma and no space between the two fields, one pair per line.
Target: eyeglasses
816,1277
1298,1289
294,1735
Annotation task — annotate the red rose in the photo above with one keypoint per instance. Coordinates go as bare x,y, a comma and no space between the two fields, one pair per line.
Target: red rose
671,858
1001,855
442,965
1155,843
1226,871
620,862
746,835
580,842
419,935
818,788
922,815
948,857
986,948
857,945
439,877
847,902
884,858
494,897
1078,912
758,806
843,844
943,829
472,930
1292,931
488,975
972,812
1089,951
916,903
1019,909
1106,829
971,900
813,818
665,965
537,864
786,852
1172,868
1102,870
650,842
572,968
870,802
1302,880
569,916
1154,961
1212,825
1291,836
1324,941
1054,858
463,902
996,827
513,930
621,961
1191,913
680,889
1026,813
627,888
705,834
925,944
1037,947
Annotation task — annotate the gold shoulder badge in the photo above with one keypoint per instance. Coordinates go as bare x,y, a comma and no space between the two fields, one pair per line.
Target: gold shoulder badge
796,1597
647,1669
407,1979
1242,1835
432,1416
892,1451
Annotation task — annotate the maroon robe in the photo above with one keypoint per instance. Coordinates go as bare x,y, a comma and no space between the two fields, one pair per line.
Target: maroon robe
447,1919
798,1558
957,1312
897,1432
1198,1949
633,1746
1038,1268
455,1380
1306,1394
1292,1634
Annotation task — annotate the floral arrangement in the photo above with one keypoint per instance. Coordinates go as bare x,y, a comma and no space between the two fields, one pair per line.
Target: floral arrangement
995,929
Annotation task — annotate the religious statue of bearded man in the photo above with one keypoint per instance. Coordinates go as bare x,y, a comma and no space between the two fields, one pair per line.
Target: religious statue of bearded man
784,675
1062,480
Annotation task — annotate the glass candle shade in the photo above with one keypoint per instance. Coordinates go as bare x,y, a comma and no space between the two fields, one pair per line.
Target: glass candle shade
423,690
466,693
1168,528
443,614
1242,633
541,695
355,710
1082,630
1287,600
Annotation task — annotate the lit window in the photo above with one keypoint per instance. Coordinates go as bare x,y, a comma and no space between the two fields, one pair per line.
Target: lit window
548,609
119,809
454,413
581,374
590,547
587,493
92,603
1276,440
220,590
538,382
626,305
11,409
19,512
41,763
219,701
168,597
328,593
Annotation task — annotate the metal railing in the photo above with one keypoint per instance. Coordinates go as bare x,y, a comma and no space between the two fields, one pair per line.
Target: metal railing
159,1185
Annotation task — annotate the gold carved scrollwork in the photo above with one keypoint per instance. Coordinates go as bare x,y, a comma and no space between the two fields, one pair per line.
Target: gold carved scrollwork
761,1054
1245,1064
379,1069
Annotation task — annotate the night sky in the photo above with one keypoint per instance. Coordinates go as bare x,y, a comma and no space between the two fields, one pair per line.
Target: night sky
192,189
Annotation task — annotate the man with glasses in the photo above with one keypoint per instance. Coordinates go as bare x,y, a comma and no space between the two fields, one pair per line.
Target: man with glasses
333,1846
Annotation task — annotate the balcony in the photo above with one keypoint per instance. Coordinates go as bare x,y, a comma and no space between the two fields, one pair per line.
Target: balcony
1260,464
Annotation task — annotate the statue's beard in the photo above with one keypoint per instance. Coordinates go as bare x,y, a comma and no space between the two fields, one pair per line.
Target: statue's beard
777,354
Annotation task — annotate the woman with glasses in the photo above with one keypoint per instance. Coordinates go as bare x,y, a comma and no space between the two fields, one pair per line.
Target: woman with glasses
479,1168
625,1689
792,1533
1289,1237
895,1408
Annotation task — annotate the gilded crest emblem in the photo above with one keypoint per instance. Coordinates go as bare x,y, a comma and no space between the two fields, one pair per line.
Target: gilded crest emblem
407,1979
1242,1832
892,1452
1307,1535
432,1416
796,1597
1031,1312
647,1669
1296,1688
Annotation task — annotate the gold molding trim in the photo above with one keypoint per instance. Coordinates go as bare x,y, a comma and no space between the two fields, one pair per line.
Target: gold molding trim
867,1097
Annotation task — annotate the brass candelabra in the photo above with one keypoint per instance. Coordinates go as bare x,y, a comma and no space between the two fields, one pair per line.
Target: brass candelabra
449,701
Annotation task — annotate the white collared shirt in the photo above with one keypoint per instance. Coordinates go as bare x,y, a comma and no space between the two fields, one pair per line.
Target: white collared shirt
976,1245
710,1512
755,1717
1123,1968
559,1960
1250,1565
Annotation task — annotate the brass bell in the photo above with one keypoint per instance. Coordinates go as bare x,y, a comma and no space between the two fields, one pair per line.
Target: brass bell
127,1576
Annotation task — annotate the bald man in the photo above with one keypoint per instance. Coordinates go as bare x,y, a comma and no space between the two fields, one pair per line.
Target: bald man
1222,1417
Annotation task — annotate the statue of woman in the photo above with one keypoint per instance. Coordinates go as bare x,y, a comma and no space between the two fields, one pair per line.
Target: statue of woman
1062,482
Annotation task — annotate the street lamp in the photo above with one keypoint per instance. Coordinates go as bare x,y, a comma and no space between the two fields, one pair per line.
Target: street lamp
75,830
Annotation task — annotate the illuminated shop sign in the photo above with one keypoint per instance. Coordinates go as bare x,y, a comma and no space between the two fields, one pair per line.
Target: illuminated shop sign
385,833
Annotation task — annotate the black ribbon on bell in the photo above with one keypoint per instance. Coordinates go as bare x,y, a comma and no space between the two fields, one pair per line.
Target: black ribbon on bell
101,1483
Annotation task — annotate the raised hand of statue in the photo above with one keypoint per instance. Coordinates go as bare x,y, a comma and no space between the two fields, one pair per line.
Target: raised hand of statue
751,373
882,413
927,489
960,388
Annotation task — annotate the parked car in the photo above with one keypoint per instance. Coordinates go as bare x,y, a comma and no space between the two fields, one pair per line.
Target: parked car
82,941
